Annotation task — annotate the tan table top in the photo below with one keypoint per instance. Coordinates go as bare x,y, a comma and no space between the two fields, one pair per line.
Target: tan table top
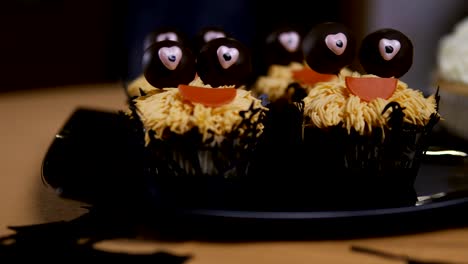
30,120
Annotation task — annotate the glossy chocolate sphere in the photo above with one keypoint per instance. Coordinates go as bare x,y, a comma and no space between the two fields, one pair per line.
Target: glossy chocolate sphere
329,47
224,61
168,63
283,46
164,33
207,34
386,53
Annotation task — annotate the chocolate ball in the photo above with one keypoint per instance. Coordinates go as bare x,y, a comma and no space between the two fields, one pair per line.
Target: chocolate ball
206,34
328,47
283,46
386,53
164,33
168,63
224,61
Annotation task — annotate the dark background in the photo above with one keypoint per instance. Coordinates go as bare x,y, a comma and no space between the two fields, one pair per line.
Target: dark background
56,42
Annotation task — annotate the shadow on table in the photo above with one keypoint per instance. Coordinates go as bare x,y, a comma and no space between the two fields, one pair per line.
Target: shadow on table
133,218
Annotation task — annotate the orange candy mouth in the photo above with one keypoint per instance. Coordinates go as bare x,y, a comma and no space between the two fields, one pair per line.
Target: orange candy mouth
369,89
210,97
310,77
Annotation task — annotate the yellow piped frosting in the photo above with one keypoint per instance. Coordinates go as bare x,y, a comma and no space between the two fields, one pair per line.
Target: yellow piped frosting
279,77
331,103
167,111
140,83
275,83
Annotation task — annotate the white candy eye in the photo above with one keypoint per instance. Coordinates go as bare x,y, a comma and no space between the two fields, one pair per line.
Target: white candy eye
290,40
389,48
227,56
167,36
336,43
170,56
210,35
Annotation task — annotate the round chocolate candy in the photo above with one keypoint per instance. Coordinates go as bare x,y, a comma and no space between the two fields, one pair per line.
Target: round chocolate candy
164,33
328,47
206,34
386,53
224,61
283,46
168,63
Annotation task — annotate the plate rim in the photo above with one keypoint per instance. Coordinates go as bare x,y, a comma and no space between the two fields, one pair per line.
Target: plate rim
321,215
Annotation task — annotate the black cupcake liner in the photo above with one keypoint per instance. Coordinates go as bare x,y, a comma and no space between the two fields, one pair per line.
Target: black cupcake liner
185,156
187,171
370,170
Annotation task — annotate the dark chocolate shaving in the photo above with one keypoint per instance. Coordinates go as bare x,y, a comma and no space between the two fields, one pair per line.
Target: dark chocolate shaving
298,92
396,117
142,93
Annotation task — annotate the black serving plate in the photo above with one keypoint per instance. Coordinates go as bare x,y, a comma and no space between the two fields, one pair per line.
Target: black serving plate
96,158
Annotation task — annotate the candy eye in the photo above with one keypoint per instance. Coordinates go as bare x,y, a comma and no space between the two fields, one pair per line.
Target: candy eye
167,36
389,48
224,61
170,56
167,64
386,53
290,40
164,33
282,47
207,34
336,43
210,35
227,56
329,47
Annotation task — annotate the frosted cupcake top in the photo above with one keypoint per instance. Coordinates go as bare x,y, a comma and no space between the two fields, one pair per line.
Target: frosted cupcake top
168,112
332,103
453,53
279,77
276,81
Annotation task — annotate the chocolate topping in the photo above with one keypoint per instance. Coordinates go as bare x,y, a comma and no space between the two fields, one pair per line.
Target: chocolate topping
207,34
329,47
224,61
164,33
168,63
386,53
283,46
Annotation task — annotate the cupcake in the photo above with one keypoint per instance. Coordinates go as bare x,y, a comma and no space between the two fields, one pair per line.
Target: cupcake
286,74
202,133
140,85
289,80
286,81
451,77
368,131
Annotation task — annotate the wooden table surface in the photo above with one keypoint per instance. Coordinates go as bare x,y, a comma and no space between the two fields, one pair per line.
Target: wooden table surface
29,121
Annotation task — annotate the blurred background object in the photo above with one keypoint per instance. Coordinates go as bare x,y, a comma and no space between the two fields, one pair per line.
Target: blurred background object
56,42
424,22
